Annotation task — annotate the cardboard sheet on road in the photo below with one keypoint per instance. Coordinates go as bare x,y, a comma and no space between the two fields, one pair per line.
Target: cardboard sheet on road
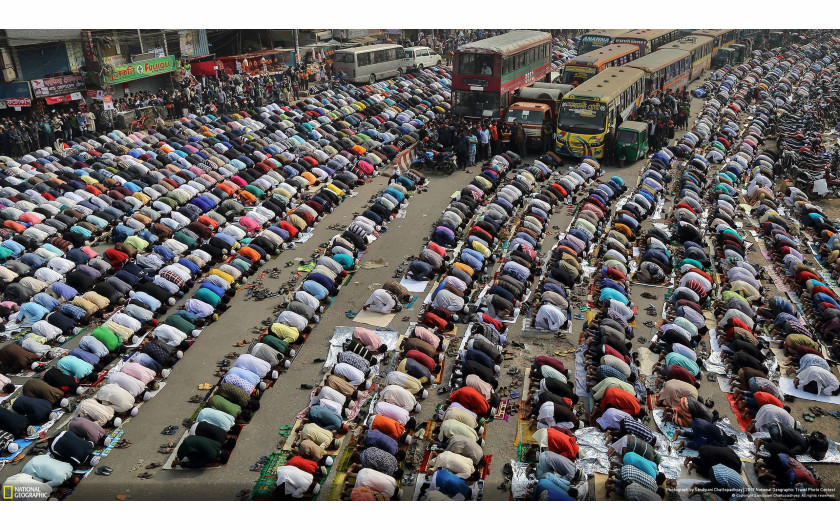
414,286
372,318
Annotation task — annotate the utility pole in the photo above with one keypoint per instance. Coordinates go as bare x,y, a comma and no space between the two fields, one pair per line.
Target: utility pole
297,49
140,37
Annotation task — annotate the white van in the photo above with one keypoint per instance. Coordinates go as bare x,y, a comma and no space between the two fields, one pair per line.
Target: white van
419,57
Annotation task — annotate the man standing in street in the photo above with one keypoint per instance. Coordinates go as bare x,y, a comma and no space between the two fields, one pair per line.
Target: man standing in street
609,147
518,134
494,138
484,141
221,99
461,148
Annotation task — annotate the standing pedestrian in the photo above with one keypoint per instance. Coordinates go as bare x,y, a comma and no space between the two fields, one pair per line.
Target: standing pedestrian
519,139
484,141
609,147
505,135
461,148
472,146
494,138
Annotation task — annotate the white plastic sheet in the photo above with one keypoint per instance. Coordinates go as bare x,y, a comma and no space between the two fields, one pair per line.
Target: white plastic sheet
342,333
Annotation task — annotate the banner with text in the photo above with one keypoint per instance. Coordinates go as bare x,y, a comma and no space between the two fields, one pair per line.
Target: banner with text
54,86
140,69
18,102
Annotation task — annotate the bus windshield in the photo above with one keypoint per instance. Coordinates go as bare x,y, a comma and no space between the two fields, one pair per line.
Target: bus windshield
476,104
476,64
582,120
524,116
575,75
592,42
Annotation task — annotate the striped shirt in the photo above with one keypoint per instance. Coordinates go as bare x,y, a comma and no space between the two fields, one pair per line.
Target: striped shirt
728,478
637,428
632,475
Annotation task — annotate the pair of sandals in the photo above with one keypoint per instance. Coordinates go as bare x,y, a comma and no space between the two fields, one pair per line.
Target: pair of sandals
243,495
170,430
259,464
122,443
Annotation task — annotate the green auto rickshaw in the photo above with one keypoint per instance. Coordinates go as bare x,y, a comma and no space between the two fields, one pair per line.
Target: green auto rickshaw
631,142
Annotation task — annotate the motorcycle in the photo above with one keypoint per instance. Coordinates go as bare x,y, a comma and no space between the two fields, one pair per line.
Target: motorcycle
435,160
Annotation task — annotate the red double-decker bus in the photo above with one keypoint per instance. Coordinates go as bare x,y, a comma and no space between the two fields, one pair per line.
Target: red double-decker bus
486,72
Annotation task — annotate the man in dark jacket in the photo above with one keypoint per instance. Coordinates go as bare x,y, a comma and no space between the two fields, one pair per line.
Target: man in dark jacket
461,148
609,147
445,136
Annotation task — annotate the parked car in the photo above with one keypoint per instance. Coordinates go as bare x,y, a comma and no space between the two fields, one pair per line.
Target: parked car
419,57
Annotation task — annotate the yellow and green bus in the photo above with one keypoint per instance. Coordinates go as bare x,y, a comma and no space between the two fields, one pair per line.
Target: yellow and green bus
664,70
588,111
700,49
581,67
648,40
721,38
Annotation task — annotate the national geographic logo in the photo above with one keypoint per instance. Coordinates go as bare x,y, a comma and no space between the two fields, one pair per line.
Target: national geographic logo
24,493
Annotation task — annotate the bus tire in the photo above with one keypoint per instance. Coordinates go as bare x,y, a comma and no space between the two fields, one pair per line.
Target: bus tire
372,79
419,67
438,64
399,72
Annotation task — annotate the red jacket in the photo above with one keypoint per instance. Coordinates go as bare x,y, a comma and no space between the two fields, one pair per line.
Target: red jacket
622,400
471,399
562,444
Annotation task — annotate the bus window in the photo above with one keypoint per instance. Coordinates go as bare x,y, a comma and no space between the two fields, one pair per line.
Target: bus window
506,65
364,59
467,63
400,53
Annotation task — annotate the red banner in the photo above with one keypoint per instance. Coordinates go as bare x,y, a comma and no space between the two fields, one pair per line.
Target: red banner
67,98
19,102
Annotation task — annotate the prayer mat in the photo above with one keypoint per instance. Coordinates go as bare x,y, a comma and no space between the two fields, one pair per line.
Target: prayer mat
502,410
743,422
